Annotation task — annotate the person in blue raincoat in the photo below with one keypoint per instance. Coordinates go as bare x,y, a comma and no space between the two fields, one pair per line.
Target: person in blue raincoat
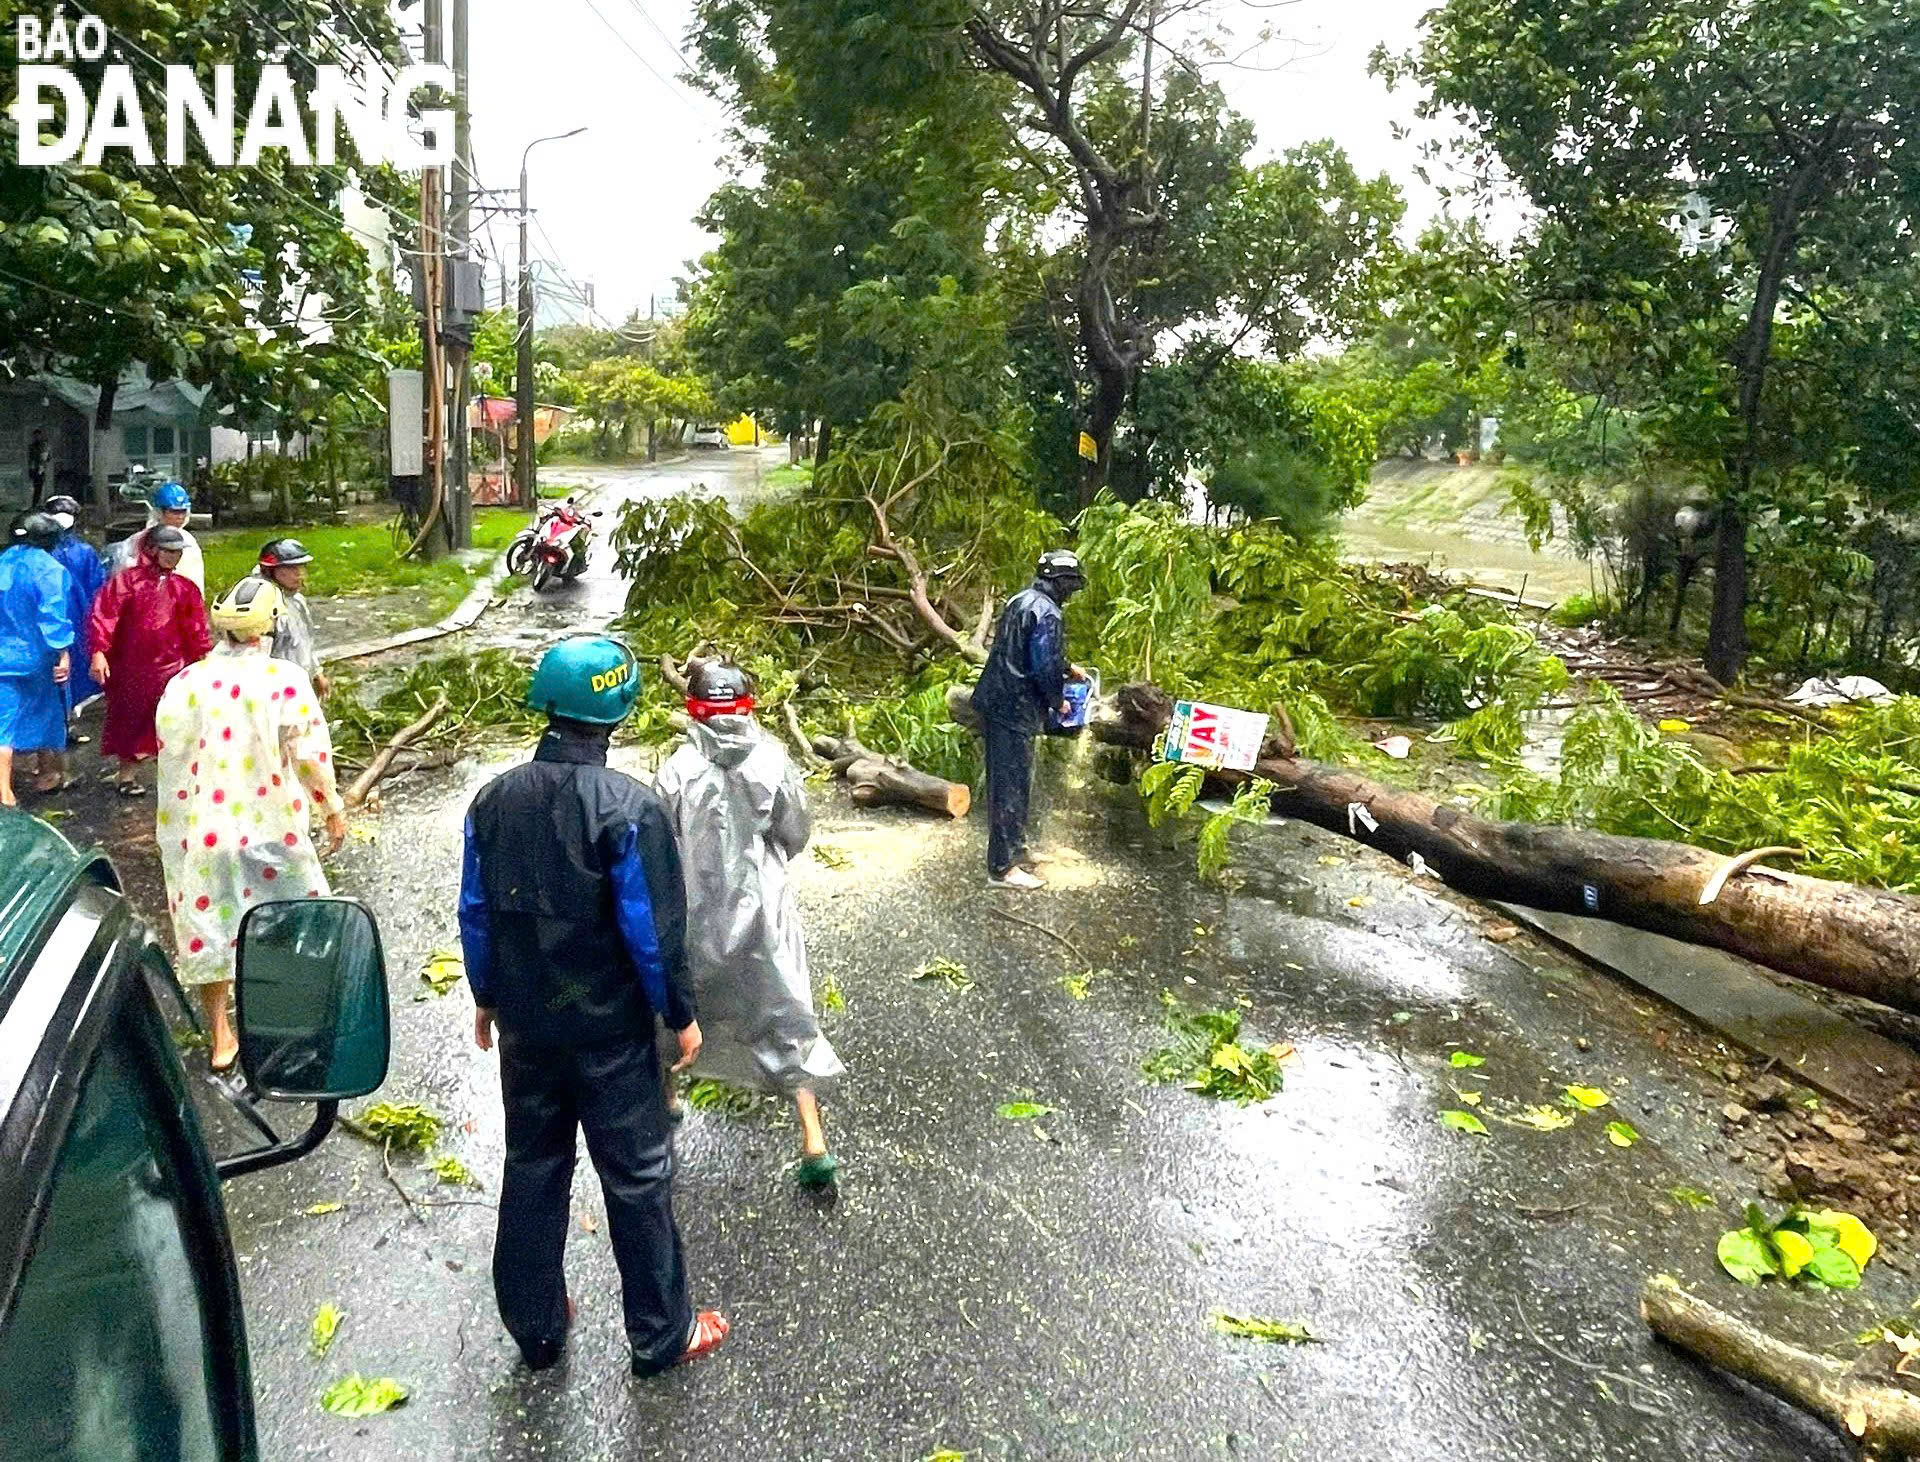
36,654
84,568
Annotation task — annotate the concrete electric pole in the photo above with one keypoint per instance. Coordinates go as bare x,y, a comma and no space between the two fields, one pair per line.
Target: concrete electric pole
460,353
433,539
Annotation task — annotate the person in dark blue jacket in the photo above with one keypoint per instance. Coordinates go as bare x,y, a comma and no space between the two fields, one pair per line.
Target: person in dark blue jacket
1021,689
573,922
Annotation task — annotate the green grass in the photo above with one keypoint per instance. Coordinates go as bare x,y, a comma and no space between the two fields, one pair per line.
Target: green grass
357,558
794,474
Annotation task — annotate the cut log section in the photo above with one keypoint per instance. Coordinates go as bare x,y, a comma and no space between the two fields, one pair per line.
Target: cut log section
886,781
1860,941
1870,1401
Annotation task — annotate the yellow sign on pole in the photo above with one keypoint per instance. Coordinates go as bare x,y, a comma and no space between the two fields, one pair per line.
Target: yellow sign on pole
1088,449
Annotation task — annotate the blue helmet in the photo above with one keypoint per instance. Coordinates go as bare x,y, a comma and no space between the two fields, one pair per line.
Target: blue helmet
171,497
590,678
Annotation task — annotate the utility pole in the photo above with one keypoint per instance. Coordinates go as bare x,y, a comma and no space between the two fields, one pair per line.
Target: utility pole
523,369
523,366
459,495
433,362
435,532
646,352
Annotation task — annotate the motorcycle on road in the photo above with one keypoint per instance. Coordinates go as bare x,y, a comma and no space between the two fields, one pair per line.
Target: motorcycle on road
555,548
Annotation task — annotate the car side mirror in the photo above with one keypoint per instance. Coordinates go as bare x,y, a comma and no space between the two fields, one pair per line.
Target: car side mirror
311,988
597,513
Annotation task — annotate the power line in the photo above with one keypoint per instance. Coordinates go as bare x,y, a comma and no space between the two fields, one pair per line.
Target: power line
620,36
654,26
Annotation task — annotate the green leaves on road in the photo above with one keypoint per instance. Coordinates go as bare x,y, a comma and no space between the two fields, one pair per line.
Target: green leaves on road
355,1395
1826,1248
449,1169
486,690
1022,1111
445,970
403,1126
717,1096
1204,1055
1259,1327
832,998
326,1325
1538,1116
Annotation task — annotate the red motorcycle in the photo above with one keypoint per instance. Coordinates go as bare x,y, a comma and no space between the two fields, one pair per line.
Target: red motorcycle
556,547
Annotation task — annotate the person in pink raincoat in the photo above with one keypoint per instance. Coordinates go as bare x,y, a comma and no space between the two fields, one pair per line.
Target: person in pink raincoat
147,623
245,764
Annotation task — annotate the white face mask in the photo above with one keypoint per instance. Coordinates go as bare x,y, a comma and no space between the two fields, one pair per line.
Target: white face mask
65,520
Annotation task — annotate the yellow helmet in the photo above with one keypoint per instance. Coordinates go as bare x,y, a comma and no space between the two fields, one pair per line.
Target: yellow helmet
249,610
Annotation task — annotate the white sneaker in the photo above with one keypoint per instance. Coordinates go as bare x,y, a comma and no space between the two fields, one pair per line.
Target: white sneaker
1017,877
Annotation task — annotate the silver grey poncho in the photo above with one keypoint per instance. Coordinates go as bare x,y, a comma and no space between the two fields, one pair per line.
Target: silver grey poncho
739,810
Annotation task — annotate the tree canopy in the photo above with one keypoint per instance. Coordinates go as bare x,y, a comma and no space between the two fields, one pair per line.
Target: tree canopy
242,279
1719,187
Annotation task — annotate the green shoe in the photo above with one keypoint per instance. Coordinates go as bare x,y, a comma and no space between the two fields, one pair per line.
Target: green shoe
817,1172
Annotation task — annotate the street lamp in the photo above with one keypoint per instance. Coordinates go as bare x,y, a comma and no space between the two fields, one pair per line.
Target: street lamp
523,384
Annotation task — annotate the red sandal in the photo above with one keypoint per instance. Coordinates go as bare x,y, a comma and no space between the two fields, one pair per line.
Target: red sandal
710,1327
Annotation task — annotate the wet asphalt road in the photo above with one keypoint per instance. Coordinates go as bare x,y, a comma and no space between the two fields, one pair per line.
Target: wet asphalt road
1044,1289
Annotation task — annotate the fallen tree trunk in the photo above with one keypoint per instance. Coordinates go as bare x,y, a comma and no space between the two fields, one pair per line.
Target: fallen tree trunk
370,778
1869,1401
1860,941
886,781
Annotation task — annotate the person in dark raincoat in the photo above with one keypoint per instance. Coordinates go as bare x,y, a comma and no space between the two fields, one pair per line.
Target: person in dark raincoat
87,575
36,645
1022,687
573,923
147,623
740,810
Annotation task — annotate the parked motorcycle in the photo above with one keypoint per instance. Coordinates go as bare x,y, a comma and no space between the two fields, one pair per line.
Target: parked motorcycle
556,547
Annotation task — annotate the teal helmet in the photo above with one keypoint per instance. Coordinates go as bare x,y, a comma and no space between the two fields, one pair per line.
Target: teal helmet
590,678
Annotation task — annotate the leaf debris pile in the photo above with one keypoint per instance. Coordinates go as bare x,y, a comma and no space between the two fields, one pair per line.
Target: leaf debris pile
941,968
1204,1055
1823,1248
356,1395
404,1126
